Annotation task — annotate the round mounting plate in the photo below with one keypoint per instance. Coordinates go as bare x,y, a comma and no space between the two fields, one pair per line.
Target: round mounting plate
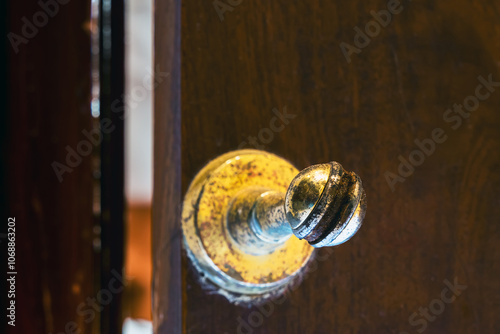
208,245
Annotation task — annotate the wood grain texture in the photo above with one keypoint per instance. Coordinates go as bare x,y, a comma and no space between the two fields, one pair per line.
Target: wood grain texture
49,95
166,237
440,224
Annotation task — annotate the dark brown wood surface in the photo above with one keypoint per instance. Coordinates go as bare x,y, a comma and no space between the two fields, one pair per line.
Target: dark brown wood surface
440,224
69,220
166,236
49,106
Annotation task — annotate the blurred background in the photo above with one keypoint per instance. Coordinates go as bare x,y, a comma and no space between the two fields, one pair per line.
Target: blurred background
81,223
138,157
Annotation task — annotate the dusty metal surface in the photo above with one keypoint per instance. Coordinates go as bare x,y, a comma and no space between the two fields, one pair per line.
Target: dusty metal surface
256,221
269,219
207,241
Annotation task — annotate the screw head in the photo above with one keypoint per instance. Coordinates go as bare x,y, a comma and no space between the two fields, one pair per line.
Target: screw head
325,204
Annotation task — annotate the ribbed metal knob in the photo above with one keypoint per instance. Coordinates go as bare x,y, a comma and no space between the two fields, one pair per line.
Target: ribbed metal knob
325,204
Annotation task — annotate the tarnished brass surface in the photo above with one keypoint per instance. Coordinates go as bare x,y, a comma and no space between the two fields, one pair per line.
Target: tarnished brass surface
207,240
242,209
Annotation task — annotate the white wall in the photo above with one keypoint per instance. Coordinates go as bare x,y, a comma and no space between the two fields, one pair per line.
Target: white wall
138,123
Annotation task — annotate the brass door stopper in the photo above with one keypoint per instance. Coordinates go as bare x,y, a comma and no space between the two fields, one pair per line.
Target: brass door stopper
242,209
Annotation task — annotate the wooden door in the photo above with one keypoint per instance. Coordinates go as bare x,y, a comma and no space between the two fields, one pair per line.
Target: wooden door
47,105
404,93
61,185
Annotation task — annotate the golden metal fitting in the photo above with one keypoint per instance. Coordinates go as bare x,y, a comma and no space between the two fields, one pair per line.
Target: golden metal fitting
242,208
